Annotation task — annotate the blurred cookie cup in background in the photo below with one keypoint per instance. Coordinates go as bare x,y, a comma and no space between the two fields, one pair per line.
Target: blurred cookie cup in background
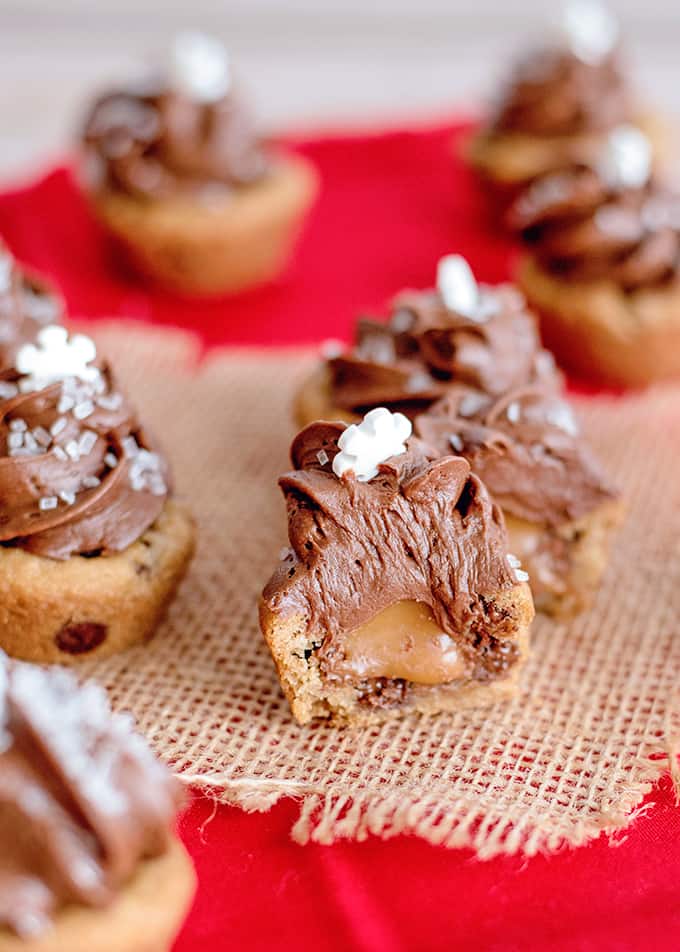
458,332
89,857
559,102
175,170
602,264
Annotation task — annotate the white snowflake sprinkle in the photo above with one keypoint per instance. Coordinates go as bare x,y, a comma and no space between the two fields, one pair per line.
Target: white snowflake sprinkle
363,446
55,357
460,292
592,30
199,67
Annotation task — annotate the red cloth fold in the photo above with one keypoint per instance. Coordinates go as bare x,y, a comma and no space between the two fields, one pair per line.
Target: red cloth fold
391,204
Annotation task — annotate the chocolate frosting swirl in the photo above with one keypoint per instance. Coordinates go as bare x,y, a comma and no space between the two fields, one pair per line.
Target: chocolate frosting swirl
582,228
78,473
425,349
82,799
423,529
525,447
27,303
153,142
551,92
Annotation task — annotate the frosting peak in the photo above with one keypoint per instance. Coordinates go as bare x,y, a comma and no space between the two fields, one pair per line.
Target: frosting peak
607,220
359,547
567,91
185,132
426,348
526,448
78,474
82,799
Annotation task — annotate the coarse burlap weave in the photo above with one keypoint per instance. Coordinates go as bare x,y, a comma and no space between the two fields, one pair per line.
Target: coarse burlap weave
574,754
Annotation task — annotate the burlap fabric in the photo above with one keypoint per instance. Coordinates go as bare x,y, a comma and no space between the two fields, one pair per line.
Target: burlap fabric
573,755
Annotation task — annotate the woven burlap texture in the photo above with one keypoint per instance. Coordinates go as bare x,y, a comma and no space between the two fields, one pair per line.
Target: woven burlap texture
573,755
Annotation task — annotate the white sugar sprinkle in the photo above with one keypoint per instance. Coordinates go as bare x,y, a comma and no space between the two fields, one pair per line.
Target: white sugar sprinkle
130,446
8,390
456,442
91,482
48,502
470,404
516,565
83,410
18,426
110,401
59,453
513,412
65,404
68,497
322,457
111,460
58,425
72,450
15,440
41,436
87,442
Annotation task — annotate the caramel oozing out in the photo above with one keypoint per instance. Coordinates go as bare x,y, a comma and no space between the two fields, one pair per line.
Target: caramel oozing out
402,641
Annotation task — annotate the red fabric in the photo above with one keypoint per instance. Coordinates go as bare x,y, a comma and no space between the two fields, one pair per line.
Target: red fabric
391,205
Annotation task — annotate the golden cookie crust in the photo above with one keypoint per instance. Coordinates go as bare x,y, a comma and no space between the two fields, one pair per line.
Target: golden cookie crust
291,643
52,611
511,159
145,917
226,246
583,546
313,401
603,333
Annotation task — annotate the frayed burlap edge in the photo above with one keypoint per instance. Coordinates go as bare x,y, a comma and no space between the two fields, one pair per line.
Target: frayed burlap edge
557,766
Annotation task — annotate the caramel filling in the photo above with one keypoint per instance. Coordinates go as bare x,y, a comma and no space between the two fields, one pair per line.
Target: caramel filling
402,641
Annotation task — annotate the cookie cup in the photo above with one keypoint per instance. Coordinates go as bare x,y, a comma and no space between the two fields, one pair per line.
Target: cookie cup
145,917
602,332
62,611
507,161
292,643
225,245
565,563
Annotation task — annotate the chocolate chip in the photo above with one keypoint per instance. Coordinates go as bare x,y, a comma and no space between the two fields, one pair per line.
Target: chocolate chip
80,637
